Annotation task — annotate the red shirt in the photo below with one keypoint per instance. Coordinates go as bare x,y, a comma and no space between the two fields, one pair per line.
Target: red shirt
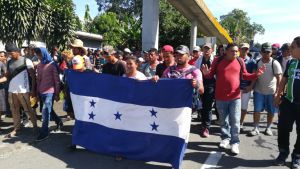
228,78
193,61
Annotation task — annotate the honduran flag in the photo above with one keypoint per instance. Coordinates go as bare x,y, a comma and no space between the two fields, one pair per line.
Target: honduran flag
139,120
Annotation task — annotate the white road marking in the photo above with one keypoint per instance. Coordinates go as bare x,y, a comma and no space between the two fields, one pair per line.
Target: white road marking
212,160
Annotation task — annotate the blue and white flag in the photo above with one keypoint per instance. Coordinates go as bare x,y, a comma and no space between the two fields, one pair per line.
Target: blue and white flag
139,120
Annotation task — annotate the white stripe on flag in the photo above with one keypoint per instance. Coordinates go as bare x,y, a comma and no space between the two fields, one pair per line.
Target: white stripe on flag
170,121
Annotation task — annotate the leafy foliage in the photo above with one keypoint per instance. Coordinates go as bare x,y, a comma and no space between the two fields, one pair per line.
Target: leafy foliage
21,20
239,26
61,23
174,28
51,20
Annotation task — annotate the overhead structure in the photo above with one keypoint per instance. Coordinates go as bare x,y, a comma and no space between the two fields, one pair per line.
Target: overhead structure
195,11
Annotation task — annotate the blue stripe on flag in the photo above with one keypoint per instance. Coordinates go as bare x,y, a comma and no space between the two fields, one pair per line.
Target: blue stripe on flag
129,144
176,92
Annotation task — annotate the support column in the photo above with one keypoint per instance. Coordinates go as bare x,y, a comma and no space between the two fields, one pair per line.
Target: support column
193,34
150,24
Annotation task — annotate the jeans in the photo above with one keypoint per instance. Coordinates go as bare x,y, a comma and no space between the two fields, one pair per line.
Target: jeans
207,103
48,112
230,115
289,114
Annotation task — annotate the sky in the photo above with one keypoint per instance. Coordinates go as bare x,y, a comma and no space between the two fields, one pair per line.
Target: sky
280,18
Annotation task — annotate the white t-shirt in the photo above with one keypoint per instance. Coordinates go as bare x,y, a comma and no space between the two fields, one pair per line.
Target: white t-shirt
139,76
266,83
284,62
20,83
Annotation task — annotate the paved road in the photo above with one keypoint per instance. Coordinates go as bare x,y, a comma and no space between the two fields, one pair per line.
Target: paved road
22,152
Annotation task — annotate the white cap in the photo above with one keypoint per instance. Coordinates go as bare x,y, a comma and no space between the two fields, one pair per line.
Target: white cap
141,59
127,50
196,48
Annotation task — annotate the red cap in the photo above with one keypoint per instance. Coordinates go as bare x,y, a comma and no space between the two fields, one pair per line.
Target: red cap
168,48
276,45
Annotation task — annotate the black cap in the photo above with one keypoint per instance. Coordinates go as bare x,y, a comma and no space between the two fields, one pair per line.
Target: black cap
11,47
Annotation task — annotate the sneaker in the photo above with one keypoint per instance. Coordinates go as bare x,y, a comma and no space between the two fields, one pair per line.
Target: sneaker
295,163
205,133
235,148
42,137
268,132
14,133
254,132
224,144
280,160
26,123
59,126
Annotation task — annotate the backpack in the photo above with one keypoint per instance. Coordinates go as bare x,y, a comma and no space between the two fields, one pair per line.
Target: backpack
272,65
19,70
173,73
240,62
179,75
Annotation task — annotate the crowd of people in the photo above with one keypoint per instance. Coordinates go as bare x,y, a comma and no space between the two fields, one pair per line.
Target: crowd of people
225,80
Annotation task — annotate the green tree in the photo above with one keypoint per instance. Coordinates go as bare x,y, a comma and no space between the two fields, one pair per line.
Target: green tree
61,23
174,28
108,25
51,20
239,26
122,8
21,20
87,19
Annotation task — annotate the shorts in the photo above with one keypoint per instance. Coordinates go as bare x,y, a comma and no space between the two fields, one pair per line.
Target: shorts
264,102
245,100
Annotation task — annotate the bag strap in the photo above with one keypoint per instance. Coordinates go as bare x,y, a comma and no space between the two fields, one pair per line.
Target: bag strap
17,70
242,67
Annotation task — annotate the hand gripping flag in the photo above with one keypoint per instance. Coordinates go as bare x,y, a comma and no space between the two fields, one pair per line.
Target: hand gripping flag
139,120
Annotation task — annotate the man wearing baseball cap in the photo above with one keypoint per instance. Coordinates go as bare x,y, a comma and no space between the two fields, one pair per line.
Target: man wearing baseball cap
265,88
169,60
185,71
196,54
114,66
209,90
246,86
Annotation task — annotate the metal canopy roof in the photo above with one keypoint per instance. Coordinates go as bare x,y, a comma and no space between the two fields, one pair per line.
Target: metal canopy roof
196,10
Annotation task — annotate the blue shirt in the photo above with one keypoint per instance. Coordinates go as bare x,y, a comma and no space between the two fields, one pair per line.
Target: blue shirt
251,67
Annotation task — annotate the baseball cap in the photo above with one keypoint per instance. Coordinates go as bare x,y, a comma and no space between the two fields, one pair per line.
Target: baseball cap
78,62
207,45
127,50
245,45
266,47
276,45
32,46
285,46
182,49
167,48
11,47
196,48
109,49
